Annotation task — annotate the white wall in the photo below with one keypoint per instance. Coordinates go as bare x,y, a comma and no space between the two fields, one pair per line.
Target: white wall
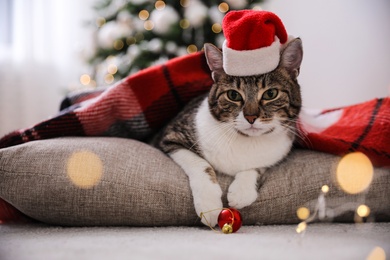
346,48
43,60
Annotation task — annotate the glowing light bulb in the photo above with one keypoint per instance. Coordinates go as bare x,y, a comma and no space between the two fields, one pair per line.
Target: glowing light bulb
325,188
363,211
301,227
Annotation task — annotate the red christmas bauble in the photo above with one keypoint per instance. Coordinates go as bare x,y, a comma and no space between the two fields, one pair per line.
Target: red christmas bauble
229,220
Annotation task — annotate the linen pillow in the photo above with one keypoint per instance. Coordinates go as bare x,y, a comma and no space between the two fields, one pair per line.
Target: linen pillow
85,181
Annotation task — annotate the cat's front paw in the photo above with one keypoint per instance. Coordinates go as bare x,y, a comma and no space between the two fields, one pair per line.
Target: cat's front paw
242,192
208,204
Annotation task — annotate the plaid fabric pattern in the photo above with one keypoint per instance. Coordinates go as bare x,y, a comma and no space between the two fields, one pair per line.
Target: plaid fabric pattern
362,127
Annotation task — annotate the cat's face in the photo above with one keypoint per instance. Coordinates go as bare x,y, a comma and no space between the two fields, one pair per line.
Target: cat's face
257,105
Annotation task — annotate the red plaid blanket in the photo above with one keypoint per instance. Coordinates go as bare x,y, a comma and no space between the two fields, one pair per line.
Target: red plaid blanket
142,103
135,108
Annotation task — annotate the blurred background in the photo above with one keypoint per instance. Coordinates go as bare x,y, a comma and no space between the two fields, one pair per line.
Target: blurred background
51,47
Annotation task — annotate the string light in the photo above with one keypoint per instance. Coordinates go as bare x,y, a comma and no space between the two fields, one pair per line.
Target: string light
192,48
85,79
325,189
216,28
301,227
223,7
363,211
148,25
143,15
159,5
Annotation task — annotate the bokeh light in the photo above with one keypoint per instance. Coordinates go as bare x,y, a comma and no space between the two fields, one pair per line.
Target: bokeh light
100,21
85,169
85,79
148,25
159,5
184,23
216,28
109,78
223,7
184,3
112,69
118,44
143,15
131,40
303,213
377,254
192,48
354,173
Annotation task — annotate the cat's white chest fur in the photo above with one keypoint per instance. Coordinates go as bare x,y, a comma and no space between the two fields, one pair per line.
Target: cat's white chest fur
230,152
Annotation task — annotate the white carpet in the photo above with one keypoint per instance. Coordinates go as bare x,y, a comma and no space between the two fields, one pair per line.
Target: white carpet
321,241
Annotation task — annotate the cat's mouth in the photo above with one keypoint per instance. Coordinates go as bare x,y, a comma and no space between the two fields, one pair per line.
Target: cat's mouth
255,131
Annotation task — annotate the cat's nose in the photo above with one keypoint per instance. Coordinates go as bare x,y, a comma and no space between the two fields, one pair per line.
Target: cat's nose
250,119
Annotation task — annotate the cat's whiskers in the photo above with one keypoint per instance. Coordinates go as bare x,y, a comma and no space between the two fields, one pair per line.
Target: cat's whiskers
297,131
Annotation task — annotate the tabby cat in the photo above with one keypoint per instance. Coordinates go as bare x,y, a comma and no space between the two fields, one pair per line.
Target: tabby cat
244,125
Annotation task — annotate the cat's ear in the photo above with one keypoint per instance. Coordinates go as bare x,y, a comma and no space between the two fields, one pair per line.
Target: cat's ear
214,60
292,57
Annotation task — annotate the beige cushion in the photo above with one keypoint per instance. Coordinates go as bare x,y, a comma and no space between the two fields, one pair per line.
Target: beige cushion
131,183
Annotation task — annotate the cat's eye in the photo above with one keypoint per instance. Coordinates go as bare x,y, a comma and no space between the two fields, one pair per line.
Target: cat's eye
234,95
270,94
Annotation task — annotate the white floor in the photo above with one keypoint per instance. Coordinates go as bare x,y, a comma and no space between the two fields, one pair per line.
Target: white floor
320,241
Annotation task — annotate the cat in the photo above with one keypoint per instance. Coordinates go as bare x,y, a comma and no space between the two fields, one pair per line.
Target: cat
241,127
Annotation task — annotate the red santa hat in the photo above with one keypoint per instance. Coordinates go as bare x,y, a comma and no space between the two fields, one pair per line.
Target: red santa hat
253,42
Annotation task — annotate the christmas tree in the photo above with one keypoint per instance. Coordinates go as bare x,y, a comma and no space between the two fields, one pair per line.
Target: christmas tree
135,34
